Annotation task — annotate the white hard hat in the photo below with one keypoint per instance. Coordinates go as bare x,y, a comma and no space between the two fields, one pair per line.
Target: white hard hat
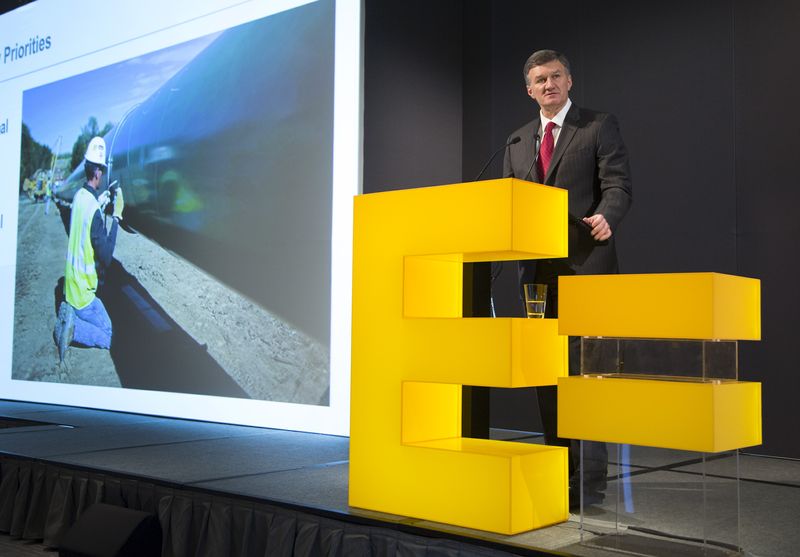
96,151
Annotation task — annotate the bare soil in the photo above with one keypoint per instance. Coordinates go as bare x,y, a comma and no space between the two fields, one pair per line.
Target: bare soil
266,357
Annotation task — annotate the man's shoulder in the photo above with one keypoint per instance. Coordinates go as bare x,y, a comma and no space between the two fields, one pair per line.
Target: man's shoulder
588,116
84,195
86,200
527,129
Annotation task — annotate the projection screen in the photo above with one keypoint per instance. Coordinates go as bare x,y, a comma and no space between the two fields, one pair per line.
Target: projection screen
232,139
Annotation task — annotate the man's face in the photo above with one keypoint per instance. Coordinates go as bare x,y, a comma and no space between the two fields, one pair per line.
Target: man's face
98,177
549,86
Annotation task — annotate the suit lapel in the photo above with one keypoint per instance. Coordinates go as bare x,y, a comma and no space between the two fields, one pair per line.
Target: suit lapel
564,137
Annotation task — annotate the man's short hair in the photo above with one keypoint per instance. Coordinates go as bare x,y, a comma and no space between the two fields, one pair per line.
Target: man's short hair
543,57
89,169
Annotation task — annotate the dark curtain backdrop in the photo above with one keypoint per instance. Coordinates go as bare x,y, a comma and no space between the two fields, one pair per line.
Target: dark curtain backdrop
702,94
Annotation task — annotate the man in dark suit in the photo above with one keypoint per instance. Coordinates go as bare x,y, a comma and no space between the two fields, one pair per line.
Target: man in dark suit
581,151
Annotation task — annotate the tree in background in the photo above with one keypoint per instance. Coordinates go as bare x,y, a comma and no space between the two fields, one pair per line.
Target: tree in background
90,130
33,156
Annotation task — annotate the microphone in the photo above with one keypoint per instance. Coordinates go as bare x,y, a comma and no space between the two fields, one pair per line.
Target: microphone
511,141
537,147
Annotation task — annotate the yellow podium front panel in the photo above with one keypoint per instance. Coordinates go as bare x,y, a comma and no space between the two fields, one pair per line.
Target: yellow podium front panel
412,352
678,305
703,416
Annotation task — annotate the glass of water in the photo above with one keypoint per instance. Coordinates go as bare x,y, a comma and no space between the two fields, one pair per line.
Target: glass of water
535,300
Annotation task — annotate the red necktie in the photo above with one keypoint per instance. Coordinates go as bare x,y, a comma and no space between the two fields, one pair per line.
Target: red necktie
546,150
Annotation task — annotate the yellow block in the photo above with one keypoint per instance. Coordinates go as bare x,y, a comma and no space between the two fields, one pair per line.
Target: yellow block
686,415
484,351
419,300
507,487
412,352
681,305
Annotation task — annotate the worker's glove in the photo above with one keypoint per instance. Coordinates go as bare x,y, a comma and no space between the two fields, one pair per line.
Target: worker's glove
119,204
103,200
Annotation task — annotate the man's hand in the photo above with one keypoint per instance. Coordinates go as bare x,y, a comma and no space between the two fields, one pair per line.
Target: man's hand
119,204
601,230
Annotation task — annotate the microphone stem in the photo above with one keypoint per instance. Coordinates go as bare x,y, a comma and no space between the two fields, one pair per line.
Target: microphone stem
537,147
485,166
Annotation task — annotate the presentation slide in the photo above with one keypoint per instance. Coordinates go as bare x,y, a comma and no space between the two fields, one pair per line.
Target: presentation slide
176,220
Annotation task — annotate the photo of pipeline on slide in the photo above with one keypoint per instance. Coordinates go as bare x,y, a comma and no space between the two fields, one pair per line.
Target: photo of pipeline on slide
220,277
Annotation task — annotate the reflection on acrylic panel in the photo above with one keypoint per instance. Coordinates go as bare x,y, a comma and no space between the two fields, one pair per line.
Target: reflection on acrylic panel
698,359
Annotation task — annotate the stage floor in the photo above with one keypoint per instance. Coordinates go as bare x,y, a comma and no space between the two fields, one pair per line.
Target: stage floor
310,471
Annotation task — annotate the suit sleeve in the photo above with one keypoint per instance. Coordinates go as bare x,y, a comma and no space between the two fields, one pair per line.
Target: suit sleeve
616,194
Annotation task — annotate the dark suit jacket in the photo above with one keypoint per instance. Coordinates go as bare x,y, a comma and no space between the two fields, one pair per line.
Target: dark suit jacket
591,162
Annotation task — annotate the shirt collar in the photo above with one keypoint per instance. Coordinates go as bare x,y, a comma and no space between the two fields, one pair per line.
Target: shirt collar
558,119
95,193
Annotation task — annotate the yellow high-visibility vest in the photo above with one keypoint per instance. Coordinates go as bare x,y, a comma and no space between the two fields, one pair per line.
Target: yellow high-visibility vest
80,275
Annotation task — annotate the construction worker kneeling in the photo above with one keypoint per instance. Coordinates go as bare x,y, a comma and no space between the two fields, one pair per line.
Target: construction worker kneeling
83,318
